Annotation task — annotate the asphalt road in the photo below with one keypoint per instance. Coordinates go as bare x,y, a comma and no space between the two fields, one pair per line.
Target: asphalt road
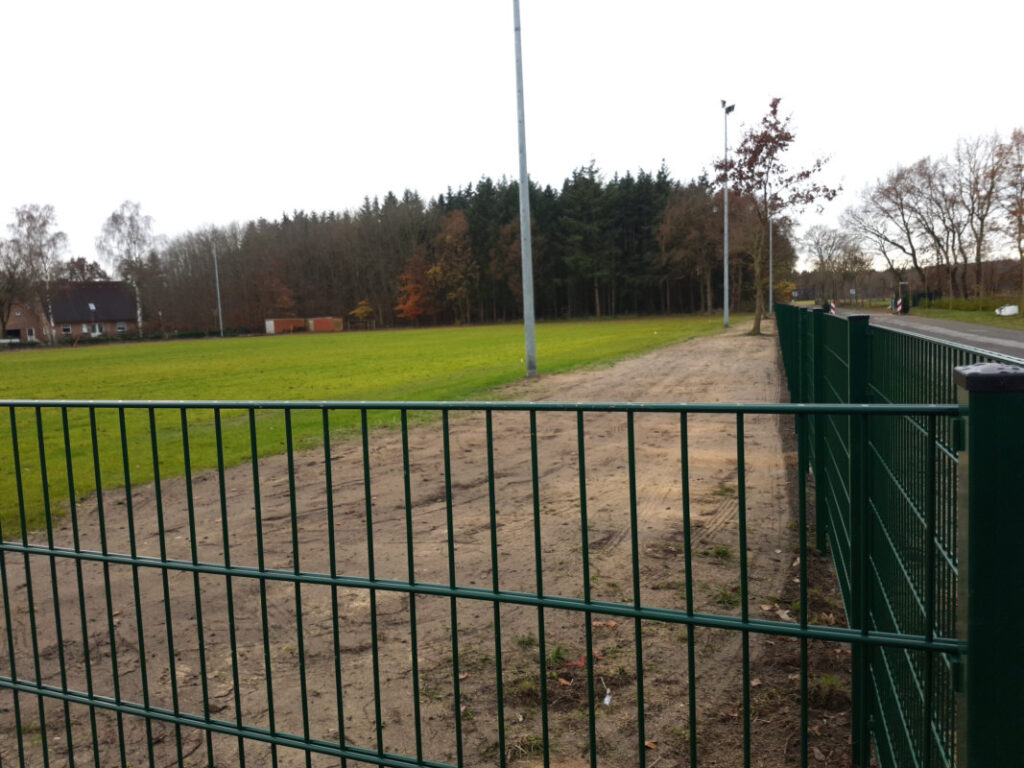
999,340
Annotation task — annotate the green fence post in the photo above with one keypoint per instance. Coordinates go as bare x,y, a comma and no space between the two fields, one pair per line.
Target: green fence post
990,623
818,387
857,392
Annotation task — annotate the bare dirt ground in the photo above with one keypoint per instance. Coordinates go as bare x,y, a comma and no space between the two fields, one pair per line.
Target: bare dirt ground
299,647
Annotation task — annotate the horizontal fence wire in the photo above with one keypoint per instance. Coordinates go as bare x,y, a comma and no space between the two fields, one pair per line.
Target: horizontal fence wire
428,584
902,527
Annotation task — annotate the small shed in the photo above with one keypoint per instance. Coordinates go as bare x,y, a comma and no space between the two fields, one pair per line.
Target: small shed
284,325
325,324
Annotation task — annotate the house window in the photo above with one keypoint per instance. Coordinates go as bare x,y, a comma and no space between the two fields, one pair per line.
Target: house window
65,330
96,330
31,333
85,327
122,327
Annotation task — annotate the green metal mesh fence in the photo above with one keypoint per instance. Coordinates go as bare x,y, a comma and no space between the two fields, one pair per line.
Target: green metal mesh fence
416,594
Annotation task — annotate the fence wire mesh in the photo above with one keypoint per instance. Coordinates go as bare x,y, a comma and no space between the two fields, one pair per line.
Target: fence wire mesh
428,584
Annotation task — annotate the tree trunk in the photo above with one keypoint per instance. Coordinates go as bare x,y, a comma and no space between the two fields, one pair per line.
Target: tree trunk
758,303
597,299
758,277
138,305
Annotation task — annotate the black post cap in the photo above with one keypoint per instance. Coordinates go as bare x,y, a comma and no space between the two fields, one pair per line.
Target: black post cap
990,377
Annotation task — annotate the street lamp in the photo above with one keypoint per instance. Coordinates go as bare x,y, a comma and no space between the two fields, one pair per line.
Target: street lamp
524,212
216,280
725,278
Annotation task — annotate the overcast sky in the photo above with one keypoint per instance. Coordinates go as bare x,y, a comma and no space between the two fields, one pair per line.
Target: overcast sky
212,112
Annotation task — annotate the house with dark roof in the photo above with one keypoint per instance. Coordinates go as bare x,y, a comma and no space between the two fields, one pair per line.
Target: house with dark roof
94,308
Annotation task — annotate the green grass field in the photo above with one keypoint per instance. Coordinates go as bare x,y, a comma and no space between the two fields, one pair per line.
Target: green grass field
430,364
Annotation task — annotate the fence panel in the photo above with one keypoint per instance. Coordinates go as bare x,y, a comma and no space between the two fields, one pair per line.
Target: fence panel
467,583
907,540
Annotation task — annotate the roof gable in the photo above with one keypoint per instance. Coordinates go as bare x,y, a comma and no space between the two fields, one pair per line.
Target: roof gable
99,301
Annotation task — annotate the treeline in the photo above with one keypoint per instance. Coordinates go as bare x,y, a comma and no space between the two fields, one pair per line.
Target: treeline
629,245
935,222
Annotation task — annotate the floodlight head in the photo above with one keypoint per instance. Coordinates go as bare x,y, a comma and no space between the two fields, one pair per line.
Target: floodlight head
723,103
729,109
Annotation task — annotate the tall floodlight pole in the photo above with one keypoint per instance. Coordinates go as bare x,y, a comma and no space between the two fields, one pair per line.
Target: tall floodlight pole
524,212
725,278
216,280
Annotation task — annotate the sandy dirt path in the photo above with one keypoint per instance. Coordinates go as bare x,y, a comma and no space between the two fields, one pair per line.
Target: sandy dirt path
299,648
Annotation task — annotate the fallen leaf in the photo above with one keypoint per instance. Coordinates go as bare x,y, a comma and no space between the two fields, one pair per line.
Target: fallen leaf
582,662
784,615
563,681
818,754
650,744
755,682
464,675
816,730
795,563
606,624
766,607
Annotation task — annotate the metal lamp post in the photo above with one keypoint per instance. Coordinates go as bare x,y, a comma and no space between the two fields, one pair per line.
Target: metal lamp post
725,278
216,280
524,213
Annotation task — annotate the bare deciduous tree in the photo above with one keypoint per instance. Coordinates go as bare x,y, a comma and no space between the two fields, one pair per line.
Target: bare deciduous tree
36,241
15,282
126,240
1012,198
979,171
884,219
758,171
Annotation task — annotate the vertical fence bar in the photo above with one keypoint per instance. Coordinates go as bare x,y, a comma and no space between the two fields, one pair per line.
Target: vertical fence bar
991,528
186,450
857,392
112,636
691,665
229,589
411,563
136,591
453,603
741,483
372,575
11,655
801,463
929,601
79,577
29,592
54,589
637,623
165,581
588,616
297,569
261,564
541,638
818,387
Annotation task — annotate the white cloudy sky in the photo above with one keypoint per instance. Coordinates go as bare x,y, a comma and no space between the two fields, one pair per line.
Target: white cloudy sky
212,112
